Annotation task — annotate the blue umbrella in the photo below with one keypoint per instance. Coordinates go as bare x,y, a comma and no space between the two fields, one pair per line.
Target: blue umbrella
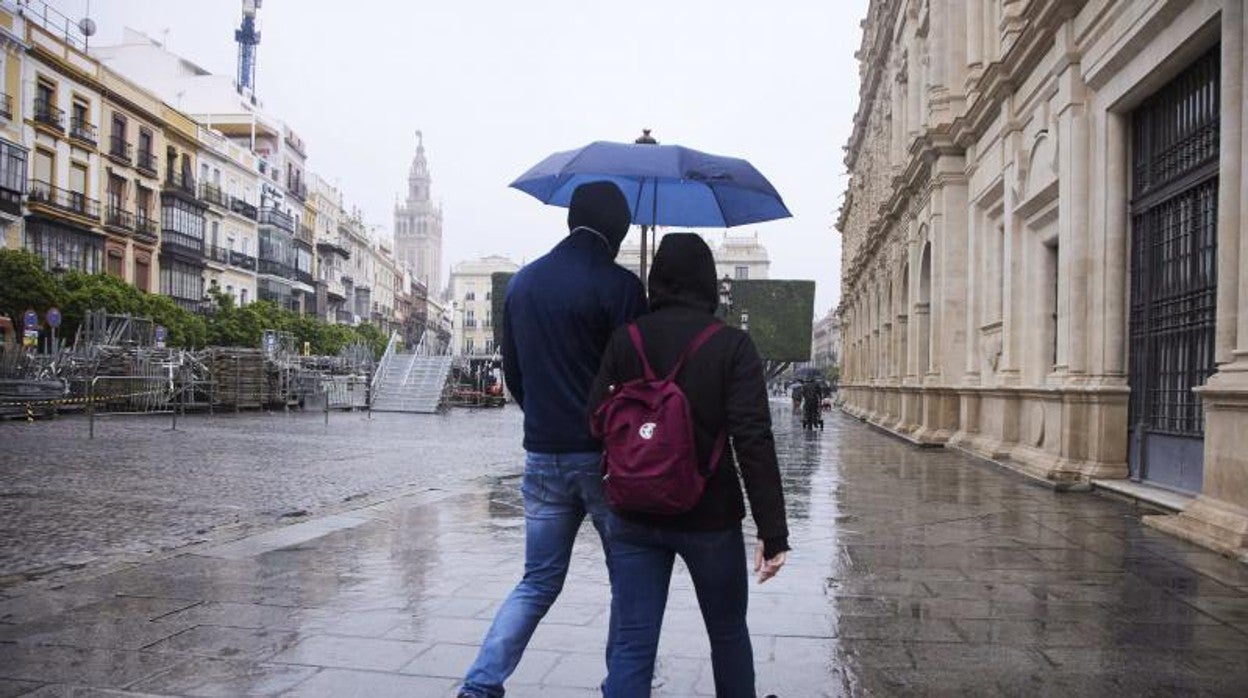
664,184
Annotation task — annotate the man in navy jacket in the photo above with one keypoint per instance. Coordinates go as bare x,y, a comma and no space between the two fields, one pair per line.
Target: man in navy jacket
559,313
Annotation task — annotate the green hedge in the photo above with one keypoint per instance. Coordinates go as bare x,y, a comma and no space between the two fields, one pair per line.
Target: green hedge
25,284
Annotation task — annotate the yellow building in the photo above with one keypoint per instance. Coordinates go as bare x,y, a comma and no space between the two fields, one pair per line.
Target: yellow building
13,155
129,184
62,95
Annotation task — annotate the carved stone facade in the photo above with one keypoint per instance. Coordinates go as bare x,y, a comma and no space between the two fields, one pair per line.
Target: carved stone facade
998,293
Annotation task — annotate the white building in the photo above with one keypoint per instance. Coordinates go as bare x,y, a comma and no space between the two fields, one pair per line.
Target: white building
738,254
228,183
825,346
418,225
471,295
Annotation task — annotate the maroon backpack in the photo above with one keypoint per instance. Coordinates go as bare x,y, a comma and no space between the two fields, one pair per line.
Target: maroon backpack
646,427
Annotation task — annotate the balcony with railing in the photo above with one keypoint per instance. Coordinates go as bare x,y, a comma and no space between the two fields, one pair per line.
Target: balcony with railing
119,219
49,115
242,208
242,261
298,189
147,163
145,228
216,253
82,130
212,194
275,268
178,182
305,277
276,218
6,106
305,235
119,150
62,200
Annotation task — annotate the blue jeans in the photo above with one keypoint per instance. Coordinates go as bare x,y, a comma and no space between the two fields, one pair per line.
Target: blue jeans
559,490
642,558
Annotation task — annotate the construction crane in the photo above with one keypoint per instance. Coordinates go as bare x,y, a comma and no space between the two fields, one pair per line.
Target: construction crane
248,38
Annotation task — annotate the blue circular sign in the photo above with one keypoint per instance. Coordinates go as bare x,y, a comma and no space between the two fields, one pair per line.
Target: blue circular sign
160,333
53,316
31,319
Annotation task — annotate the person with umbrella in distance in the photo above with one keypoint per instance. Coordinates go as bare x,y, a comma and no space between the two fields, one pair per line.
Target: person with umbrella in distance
558,314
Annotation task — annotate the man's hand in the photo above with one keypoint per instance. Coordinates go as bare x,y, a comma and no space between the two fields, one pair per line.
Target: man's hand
767,569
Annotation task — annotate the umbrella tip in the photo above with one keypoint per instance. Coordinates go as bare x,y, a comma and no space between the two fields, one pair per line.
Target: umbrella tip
646,138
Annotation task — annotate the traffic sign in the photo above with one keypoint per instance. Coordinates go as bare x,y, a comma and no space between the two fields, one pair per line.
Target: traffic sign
160,336
53,316
31,320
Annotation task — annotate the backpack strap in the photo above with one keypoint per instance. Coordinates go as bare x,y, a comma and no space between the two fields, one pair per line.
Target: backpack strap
634,333
694,346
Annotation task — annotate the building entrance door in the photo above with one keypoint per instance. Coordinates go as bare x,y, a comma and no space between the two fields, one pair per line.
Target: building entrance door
1173,274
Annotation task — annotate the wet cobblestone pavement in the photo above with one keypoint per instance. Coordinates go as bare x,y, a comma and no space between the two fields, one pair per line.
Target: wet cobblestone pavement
914,572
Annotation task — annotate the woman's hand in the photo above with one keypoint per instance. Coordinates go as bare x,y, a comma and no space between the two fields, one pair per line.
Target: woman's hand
767,569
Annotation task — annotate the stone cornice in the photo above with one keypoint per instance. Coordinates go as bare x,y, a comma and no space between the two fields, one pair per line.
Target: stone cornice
986,94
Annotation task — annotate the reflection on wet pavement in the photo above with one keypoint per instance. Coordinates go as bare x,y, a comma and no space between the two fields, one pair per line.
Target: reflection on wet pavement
913,572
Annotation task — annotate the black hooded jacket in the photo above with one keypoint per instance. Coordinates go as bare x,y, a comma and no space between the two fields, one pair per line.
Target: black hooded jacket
725,387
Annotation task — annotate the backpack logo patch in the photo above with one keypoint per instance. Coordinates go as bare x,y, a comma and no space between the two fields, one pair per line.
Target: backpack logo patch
646,431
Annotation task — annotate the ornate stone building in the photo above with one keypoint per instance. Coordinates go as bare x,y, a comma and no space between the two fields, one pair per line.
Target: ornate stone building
418,225
1045,259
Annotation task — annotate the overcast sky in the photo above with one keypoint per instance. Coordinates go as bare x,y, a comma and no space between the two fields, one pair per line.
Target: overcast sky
496,85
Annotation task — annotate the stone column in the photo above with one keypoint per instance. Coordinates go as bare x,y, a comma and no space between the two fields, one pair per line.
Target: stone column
1073,192
1116,262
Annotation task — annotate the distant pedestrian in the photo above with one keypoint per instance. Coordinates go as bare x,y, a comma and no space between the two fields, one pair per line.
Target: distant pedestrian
725,388
559,313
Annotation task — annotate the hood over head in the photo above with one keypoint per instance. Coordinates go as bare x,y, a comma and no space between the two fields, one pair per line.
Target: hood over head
602,207
684,274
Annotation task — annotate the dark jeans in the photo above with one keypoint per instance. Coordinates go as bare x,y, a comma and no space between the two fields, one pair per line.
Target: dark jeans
642,558
559,490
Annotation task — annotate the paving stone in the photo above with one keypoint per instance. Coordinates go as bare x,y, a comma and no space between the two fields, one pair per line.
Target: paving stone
86,667
351,653
209,677
227,643
345,683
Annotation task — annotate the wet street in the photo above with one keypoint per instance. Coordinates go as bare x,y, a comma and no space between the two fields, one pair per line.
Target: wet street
268,555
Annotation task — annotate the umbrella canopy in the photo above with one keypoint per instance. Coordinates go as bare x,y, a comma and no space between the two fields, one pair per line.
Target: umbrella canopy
664,184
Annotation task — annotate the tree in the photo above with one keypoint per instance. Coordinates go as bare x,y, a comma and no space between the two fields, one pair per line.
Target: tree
24,284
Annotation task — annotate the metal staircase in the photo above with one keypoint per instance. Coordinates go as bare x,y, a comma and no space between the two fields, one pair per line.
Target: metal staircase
411,383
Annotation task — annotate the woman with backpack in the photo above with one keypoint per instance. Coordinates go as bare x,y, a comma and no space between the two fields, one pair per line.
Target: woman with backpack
675,389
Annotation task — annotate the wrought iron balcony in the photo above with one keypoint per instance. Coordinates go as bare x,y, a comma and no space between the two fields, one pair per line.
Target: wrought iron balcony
119,149
145,228
304,235
82,130
217,254
120,218
243,208
276,218
305,277
63,199
212,194
6,106
147,162
49,115
298,189
242,261
180,182
268,266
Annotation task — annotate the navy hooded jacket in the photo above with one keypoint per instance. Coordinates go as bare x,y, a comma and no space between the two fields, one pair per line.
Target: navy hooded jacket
559,313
